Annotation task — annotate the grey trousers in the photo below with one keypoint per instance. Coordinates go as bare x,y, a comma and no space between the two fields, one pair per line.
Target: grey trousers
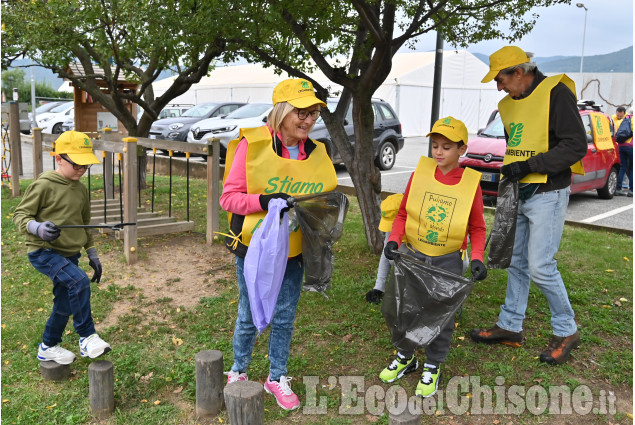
438,349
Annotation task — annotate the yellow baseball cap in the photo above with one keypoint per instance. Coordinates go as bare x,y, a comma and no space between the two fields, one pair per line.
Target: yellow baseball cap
77,146
296,91
451,128
504,58
389,208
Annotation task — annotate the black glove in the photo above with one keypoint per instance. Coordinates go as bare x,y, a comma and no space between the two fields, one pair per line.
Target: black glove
93,261
46,231
390,251
374,296
479,271
516,170
264,200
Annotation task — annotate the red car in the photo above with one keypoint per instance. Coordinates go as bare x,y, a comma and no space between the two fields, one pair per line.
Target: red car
485,153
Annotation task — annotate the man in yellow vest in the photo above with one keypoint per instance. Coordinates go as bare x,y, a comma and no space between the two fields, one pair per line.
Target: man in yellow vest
626,153
545,142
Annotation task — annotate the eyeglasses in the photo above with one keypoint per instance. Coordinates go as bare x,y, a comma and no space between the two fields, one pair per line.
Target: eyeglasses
303,113
76,167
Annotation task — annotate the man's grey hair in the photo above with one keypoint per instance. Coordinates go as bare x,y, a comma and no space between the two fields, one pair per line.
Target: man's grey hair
527,68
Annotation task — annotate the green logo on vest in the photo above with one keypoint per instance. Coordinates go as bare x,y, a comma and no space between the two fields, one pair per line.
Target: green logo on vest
436,214
305,85
432,236
598,126
447,121
515,134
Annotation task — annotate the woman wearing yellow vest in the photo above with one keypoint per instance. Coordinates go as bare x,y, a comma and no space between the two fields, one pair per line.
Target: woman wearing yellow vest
545,142
442,205
277,160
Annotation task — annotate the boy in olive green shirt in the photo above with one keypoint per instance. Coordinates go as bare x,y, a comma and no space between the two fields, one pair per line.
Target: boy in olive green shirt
58,198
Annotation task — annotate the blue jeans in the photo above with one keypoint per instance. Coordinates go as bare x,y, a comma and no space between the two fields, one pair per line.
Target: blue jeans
281,324
538,231
71,294
626,166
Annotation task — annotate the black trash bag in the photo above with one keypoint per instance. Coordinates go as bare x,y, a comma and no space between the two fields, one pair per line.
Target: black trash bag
504,229
321,218
419,301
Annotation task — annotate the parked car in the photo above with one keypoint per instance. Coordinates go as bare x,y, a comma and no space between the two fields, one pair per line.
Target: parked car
388,138
25,124
177,128
173,111
227,128
69,124
485,153
51,122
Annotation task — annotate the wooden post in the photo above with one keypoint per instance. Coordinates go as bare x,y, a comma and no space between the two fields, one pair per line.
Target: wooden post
404,418
109,190
209,383
52,371
101,388
213,179
245,401
38,164
14,143
130,176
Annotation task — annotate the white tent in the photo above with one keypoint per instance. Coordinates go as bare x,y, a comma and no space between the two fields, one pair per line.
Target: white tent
408,88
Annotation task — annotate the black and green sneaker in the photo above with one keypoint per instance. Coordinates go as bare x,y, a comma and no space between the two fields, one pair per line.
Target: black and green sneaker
398,368
429,382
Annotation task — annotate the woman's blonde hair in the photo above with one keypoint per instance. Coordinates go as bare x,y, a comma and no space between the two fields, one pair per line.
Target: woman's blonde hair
278,114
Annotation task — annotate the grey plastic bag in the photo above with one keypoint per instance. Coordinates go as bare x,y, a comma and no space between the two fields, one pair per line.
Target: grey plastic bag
504,229
419,301
321,218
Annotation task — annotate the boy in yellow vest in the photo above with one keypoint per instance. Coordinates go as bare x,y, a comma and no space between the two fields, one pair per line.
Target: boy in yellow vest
442,205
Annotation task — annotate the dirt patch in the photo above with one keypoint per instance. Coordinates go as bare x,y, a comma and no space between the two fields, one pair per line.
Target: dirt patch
175,270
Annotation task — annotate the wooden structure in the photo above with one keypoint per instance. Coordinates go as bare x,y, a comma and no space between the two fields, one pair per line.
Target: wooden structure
101,388
209,383
90,116
245,401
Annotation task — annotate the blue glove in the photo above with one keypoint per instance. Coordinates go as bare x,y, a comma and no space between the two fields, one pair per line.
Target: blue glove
46,231
390,251
93,261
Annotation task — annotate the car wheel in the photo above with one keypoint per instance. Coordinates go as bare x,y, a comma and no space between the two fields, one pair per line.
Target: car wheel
609,188
57,129
386,157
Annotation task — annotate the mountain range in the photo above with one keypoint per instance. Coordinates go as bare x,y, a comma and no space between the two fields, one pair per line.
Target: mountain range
619,61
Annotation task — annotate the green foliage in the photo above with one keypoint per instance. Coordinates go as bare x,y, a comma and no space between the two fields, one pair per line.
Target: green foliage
15,78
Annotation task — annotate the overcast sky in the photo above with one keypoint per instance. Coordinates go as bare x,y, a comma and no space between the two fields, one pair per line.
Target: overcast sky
558,30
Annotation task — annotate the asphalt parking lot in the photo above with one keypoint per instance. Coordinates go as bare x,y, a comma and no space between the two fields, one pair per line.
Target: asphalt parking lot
584,207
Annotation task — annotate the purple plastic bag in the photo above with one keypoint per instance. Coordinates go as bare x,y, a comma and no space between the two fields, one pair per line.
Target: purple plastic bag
266,262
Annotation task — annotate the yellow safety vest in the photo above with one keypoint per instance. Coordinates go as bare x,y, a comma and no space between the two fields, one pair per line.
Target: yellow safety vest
527,124
601,131
438,214
266,172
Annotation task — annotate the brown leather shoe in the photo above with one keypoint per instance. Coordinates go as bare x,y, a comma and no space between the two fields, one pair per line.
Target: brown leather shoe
497,335
559,348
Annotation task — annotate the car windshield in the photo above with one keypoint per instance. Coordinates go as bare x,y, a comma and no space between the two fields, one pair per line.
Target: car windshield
45,108
62,108
494,129
199,110
249,111
332,105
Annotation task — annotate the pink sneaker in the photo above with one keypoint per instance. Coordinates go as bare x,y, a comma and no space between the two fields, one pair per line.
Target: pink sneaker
285,396
233,376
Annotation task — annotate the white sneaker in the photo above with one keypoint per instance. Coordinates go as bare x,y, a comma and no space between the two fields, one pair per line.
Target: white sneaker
93,346
55,354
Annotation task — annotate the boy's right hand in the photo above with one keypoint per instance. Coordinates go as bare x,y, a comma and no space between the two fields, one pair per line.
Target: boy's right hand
374,296
390,251
46,231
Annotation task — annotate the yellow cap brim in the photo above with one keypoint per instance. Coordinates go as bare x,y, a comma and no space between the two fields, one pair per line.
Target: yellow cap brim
489,76
83,158
306,101
385,225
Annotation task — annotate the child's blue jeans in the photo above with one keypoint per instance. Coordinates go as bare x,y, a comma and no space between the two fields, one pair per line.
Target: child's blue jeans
71,291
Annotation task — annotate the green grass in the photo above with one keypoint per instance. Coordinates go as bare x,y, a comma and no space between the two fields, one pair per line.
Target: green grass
335,337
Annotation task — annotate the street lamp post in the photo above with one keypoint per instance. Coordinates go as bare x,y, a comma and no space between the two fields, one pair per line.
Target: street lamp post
583,34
